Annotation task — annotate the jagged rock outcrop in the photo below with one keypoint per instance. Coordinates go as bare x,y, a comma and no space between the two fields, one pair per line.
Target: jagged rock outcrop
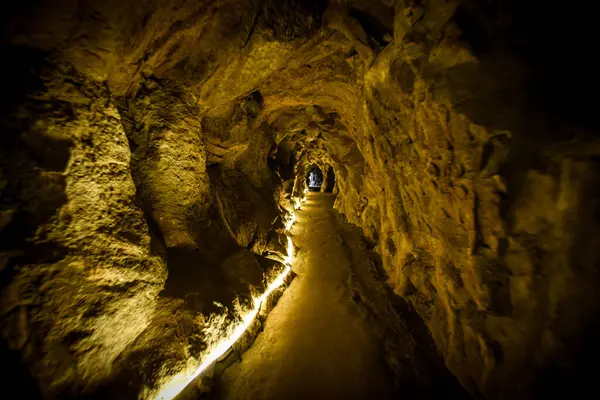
169,138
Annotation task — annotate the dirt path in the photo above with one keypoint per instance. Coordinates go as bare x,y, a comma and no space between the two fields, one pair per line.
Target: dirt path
316,342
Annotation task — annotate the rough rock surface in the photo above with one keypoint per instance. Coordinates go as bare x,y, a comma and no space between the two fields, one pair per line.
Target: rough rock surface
85,281
147,146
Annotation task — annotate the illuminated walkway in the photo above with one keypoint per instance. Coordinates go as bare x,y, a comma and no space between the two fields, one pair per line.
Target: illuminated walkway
316,344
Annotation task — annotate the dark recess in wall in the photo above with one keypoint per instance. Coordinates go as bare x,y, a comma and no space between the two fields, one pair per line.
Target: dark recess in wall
330,180
374,28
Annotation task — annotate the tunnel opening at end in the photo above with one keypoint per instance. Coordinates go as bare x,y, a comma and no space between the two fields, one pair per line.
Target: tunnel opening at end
314,179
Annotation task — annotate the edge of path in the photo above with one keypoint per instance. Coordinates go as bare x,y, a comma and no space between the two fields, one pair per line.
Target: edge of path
415,366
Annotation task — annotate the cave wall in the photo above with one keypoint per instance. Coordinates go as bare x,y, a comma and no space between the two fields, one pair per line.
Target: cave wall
482,208
128,214
138,135
81,282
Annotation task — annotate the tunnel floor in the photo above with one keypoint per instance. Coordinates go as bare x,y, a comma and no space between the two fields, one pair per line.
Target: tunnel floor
316,343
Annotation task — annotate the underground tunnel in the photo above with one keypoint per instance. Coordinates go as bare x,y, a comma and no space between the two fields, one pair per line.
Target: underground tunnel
286,199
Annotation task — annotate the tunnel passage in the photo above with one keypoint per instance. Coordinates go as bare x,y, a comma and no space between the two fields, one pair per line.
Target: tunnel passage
152,157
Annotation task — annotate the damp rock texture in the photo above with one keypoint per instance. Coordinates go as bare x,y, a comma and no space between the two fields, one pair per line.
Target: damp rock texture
151,151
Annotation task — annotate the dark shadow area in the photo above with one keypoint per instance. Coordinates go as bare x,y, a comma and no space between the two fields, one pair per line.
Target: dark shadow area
330,181
374,27
285,160
31,168
571,371
15,374
517,44
197,279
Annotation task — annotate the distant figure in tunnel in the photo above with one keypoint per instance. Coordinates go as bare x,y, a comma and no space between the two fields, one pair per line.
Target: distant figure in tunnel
312,179
315,179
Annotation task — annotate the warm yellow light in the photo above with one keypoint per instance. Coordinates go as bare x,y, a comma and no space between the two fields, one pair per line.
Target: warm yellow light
178,382
290,222
184,378
290,252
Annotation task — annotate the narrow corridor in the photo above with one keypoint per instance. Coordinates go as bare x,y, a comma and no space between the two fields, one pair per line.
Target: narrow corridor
316,343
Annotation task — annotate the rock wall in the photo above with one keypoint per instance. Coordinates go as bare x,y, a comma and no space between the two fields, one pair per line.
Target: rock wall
81,282
131,223
169,160
152,146
482,208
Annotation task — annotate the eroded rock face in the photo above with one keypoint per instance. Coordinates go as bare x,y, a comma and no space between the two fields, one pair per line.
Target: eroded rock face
474,207
168,138
169,161
84,280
